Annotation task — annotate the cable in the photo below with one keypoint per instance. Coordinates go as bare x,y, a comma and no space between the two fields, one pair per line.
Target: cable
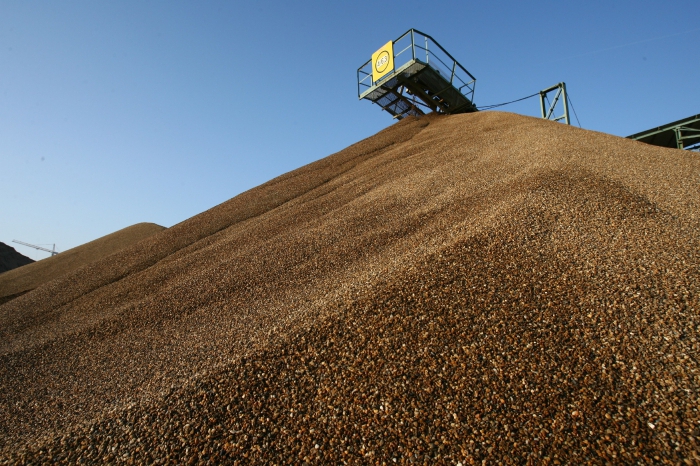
489,107
572,108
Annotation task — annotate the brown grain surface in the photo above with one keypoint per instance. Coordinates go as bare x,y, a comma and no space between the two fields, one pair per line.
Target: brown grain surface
451,290
27,278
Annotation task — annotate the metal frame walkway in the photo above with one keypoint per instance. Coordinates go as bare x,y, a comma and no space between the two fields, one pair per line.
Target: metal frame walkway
424,78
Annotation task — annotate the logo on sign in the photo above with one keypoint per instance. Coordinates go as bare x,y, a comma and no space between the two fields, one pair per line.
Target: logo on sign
382,62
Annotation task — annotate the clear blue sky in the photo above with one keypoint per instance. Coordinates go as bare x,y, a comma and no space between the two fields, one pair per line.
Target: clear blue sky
114,113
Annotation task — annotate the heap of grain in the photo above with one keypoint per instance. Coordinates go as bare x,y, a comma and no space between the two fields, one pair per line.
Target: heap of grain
22,280
451,290
11,259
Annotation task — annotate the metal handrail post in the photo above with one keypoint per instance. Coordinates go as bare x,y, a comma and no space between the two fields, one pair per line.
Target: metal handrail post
427,54
413,45
566,104
542,94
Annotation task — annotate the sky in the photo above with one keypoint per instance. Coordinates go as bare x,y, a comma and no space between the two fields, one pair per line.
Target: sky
119,112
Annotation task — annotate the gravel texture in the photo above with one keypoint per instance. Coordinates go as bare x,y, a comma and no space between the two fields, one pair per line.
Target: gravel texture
451,290
20,281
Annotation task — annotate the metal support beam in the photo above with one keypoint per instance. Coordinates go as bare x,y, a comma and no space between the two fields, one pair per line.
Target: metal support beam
681,138
681,134
561,93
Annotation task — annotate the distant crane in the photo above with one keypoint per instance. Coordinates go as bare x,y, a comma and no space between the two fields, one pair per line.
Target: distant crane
53,252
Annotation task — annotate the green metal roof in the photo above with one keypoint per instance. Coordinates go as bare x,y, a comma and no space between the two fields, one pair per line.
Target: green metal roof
679,134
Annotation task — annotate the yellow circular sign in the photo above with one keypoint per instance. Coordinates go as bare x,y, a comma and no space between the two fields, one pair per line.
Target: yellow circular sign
382,62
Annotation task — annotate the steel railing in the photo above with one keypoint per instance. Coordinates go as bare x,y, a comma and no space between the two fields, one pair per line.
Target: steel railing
415,46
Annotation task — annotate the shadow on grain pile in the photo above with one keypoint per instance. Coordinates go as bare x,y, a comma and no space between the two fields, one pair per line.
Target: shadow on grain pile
454,289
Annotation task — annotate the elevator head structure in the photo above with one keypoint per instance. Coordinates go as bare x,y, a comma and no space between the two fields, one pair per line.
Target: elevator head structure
414,75
548,108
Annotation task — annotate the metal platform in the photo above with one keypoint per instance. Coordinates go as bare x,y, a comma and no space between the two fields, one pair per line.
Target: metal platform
422,77
681,134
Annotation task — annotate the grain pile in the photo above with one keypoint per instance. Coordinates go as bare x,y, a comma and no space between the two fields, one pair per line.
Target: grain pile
22,280
451,290
11,259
